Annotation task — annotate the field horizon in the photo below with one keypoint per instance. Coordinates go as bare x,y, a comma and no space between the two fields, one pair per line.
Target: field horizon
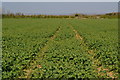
59,41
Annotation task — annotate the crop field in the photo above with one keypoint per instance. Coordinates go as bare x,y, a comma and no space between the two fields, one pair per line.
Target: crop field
59,48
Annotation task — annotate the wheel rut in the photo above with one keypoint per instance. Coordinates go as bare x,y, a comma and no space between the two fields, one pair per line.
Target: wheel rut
96,62
40,55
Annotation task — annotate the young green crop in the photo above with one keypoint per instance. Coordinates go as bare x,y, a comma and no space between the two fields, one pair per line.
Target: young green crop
59,48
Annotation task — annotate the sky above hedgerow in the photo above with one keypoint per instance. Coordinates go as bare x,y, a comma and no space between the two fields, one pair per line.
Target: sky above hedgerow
60,8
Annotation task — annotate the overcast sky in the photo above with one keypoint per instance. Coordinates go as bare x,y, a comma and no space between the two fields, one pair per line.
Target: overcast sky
61,8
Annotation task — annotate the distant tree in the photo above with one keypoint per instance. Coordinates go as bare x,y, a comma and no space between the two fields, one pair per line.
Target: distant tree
76,15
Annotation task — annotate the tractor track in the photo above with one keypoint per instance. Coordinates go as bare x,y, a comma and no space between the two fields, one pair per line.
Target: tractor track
40,55
96,62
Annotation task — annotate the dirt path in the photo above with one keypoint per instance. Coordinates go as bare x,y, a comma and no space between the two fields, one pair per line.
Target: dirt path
96,62
33,63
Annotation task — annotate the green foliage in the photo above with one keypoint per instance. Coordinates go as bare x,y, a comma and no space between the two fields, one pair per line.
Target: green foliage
65,56
101,36
22,41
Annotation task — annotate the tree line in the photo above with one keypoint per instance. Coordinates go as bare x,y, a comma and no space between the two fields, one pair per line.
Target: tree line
21,15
